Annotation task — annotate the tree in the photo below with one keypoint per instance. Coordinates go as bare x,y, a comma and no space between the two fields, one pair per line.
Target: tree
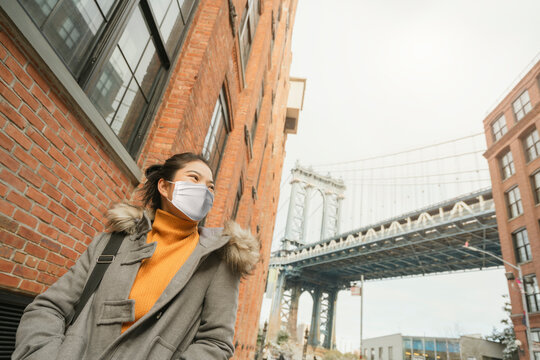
506,336
282,337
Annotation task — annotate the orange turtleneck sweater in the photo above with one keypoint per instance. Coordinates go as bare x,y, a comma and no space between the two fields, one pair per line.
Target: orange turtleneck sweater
176,239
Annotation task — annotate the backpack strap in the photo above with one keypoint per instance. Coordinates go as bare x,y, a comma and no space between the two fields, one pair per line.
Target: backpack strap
102,263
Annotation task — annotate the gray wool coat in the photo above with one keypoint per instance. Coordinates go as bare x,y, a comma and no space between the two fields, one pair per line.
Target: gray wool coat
193,319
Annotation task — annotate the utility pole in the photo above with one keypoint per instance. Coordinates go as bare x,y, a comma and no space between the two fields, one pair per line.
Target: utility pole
521,290
306,336
263,340
361,312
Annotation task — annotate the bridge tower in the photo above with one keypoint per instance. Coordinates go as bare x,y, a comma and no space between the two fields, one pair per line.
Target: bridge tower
305,182
284,312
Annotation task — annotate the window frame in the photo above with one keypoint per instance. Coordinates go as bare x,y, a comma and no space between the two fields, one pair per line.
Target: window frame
503,129
522,106
509,205
531,296
506,162
223,100
248,25
535,336
535,187
75,88
238,197
535,145
527,246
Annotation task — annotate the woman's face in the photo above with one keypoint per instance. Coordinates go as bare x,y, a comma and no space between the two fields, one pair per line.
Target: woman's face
196,172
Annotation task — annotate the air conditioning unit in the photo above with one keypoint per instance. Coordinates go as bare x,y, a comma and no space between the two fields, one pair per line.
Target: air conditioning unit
295,103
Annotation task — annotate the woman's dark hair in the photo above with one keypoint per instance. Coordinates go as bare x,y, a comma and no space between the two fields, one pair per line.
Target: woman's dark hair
151,196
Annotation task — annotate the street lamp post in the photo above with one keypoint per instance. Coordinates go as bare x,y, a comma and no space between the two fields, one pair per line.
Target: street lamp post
522,291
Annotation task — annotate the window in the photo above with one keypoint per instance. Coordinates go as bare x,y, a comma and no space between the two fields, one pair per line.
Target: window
513,202
380,353
532,293
118,52
407,345
429,346
390,353
522,246
507,165
535,336
453,350
372,354
531,143
248,25
261,165
522,105
238,197
498,128
442,349
535,183
257,114
218,132
418,347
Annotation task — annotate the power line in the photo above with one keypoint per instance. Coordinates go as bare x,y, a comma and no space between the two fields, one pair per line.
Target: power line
424,184
398,153
411,163
422,176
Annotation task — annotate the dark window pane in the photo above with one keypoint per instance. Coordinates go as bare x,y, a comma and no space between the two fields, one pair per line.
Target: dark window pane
111,85
106,6
147,69
134,39
72,30
39,10
172,28
131,108
159,8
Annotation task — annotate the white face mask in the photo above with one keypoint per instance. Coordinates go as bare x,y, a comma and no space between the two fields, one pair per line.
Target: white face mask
193,200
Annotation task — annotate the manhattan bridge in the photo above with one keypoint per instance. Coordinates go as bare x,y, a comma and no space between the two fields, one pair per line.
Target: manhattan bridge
397,215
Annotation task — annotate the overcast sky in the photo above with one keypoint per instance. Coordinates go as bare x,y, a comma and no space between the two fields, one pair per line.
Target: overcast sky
385,76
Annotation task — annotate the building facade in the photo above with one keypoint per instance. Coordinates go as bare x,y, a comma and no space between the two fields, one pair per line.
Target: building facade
513,148
400,347
94,92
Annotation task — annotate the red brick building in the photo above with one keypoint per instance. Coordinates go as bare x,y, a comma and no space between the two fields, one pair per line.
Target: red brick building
514,163
94,92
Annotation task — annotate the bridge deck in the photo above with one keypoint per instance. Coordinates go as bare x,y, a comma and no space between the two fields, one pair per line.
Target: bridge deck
426,242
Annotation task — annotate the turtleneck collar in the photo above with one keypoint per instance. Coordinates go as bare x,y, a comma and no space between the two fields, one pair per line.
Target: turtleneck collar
172,228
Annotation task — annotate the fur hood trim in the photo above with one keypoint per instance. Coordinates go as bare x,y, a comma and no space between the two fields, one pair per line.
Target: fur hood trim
241,252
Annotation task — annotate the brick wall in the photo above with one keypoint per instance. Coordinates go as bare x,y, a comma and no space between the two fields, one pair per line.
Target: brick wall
58,176
51,169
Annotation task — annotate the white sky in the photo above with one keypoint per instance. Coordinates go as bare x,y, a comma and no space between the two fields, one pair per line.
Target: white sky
390,75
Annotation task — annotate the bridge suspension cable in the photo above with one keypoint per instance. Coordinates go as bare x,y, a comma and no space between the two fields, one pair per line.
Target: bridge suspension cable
397,153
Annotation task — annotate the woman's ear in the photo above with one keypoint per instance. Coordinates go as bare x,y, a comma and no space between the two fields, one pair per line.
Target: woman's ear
163,188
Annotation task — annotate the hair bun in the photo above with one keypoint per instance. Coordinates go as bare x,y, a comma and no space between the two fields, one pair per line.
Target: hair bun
153,169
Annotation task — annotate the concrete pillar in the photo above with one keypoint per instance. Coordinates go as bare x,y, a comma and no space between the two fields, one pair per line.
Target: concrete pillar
289,228
293,312
274,323
305,216
315,329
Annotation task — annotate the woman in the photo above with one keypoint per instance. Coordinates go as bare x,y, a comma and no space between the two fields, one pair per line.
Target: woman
171,292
